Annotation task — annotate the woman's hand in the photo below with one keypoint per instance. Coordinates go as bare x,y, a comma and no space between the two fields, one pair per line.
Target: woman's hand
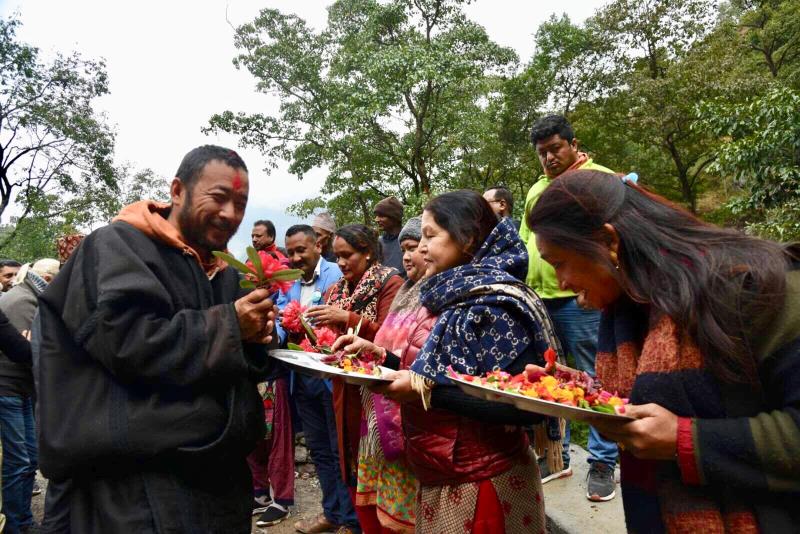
352,344
325,315
400,389
653,436
531,369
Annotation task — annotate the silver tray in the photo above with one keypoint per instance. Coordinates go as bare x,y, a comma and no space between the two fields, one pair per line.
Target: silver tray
309,364
543,407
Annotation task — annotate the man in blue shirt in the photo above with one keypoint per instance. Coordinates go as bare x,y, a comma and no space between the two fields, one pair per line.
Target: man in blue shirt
313,396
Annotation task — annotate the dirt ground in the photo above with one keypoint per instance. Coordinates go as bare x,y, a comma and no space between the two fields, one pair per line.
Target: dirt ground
307,497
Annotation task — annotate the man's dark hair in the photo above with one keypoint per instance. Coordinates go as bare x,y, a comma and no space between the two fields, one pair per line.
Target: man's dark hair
196,160
301,229
268,225
503,193
9,263
552,125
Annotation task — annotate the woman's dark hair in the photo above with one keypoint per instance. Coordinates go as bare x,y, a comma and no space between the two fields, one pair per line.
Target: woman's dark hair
363,239
719,285
466,216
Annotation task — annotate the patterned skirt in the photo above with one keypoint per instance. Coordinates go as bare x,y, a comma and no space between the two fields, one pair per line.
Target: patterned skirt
388,485
511,502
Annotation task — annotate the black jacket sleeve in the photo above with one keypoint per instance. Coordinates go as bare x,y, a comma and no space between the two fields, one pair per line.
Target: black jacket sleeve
12,343
121,311
453,399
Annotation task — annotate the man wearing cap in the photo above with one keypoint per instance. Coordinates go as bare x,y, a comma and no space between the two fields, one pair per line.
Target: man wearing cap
389,218
324,227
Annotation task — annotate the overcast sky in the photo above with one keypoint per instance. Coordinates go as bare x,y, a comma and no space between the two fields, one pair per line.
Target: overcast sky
170,69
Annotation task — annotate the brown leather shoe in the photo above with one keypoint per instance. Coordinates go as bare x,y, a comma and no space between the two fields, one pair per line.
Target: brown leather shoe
315,526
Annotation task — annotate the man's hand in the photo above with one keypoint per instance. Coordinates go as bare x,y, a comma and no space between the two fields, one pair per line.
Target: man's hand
256,314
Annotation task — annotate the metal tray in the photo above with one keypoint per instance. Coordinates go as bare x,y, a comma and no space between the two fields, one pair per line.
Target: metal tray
309,364
543,407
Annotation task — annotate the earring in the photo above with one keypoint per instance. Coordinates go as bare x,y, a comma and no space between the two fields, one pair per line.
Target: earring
614,259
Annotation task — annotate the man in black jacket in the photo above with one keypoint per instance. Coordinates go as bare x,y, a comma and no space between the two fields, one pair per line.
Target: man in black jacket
150,354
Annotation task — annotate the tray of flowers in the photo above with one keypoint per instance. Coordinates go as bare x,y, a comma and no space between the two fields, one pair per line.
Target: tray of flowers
569,394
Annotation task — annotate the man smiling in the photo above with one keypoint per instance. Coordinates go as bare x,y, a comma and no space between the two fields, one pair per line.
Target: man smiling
149,358
577,328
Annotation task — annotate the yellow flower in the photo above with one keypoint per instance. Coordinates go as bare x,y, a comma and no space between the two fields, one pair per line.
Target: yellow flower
615,401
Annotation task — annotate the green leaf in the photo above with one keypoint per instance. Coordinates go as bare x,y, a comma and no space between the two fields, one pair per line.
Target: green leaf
233,262
293,346
255,259
246,284
309,331
286,275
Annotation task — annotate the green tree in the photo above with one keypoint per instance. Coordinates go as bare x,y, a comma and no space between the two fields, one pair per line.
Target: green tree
54,149
35,236
380,97
671,57
761,153
772,33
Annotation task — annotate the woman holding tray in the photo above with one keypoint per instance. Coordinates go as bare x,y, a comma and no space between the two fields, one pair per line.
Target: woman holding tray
360,299
701,329
471,457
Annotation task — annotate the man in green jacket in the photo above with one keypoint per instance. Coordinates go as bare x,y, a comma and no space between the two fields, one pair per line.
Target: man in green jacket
557,148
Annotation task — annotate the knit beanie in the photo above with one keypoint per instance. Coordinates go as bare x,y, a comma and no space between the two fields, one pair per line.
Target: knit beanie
324,221
390,207
412,230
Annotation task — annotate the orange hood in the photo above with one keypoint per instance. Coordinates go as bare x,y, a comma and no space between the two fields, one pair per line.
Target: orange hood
150,217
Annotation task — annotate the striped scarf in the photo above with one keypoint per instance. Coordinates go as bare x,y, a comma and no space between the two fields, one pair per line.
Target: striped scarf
645,356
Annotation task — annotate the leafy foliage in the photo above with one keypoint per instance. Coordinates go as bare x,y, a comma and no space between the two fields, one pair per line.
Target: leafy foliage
55,151
383,97
761,153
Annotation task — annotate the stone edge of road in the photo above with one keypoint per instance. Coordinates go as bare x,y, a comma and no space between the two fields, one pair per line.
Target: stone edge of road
570,512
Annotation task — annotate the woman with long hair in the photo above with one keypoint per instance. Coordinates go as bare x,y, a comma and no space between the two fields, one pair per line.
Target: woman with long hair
471,457
701,329
361,299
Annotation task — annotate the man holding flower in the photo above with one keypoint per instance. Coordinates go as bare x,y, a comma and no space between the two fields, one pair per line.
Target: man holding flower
150,355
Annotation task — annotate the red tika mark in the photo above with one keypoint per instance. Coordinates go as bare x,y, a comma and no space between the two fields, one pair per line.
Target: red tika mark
237,182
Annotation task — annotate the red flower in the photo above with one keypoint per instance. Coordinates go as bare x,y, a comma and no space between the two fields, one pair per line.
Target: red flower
291,317
307,346
550,357
270,266
325,336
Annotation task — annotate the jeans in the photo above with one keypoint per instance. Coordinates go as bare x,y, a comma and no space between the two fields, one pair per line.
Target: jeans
315,406
577,329
20,460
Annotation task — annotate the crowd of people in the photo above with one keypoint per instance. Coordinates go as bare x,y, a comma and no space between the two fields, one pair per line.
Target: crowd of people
159,409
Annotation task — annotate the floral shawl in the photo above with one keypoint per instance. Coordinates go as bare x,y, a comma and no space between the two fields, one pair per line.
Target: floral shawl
363,298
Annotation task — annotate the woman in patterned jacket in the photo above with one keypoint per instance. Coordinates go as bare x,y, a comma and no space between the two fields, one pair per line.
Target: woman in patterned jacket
472,459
